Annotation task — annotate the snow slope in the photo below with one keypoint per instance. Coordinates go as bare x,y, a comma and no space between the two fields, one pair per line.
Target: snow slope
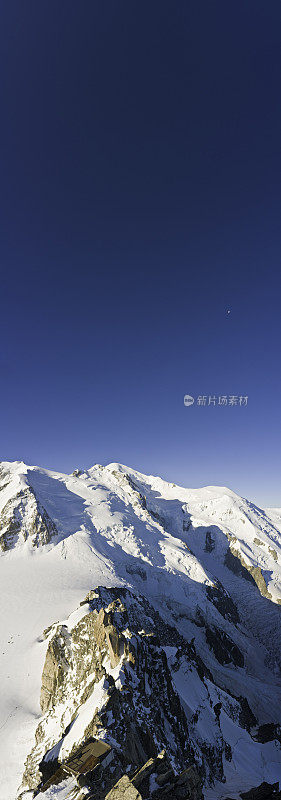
206,559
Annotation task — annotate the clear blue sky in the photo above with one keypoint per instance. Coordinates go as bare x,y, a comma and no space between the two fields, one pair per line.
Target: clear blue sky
140,199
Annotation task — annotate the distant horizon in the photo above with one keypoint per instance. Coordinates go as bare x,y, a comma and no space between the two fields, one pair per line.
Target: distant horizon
165,477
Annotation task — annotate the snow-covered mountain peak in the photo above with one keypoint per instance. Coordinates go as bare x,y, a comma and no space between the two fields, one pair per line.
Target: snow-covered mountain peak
206,561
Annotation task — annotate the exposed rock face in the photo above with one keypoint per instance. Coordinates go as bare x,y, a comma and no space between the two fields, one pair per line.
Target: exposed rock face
4,478
55,666
223,602
273,552
235,561
226,651
22,518
124,790
107,635
209,542
199,678
266,791
157,780
268,732
106,675
111,668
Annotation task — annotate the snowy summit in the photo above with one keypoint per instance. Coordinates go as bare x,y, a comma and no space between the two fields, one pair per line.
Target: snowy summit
140,638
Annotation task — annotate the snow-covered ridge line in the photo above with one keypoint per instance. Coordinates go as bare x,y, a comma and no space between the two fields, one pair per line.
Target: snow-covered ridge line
206,559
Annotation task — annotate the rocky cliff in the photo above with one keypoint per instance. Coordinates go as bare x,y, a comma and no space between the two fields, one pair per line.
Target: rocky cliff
110,673
176,652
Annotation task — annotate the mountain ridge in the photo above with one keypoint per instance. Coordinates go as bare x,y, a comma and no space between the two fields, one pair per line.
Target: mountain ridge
205,559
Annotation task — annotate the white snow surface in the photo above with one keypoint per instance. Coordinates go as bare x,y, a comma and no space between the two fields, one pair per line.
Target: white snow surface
108,535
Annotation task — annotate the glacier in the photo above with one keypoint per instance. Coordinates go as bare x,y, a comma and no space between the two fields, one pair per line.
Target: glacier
199,569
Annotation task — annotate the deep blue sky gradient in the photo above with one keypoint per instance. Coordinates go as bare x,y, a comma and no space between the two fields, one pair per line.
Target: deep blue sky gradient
139,200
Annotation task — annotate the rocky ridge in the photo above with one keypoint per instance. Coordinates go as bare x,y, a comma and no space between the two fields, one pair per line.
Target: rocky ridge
179,653
106,677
